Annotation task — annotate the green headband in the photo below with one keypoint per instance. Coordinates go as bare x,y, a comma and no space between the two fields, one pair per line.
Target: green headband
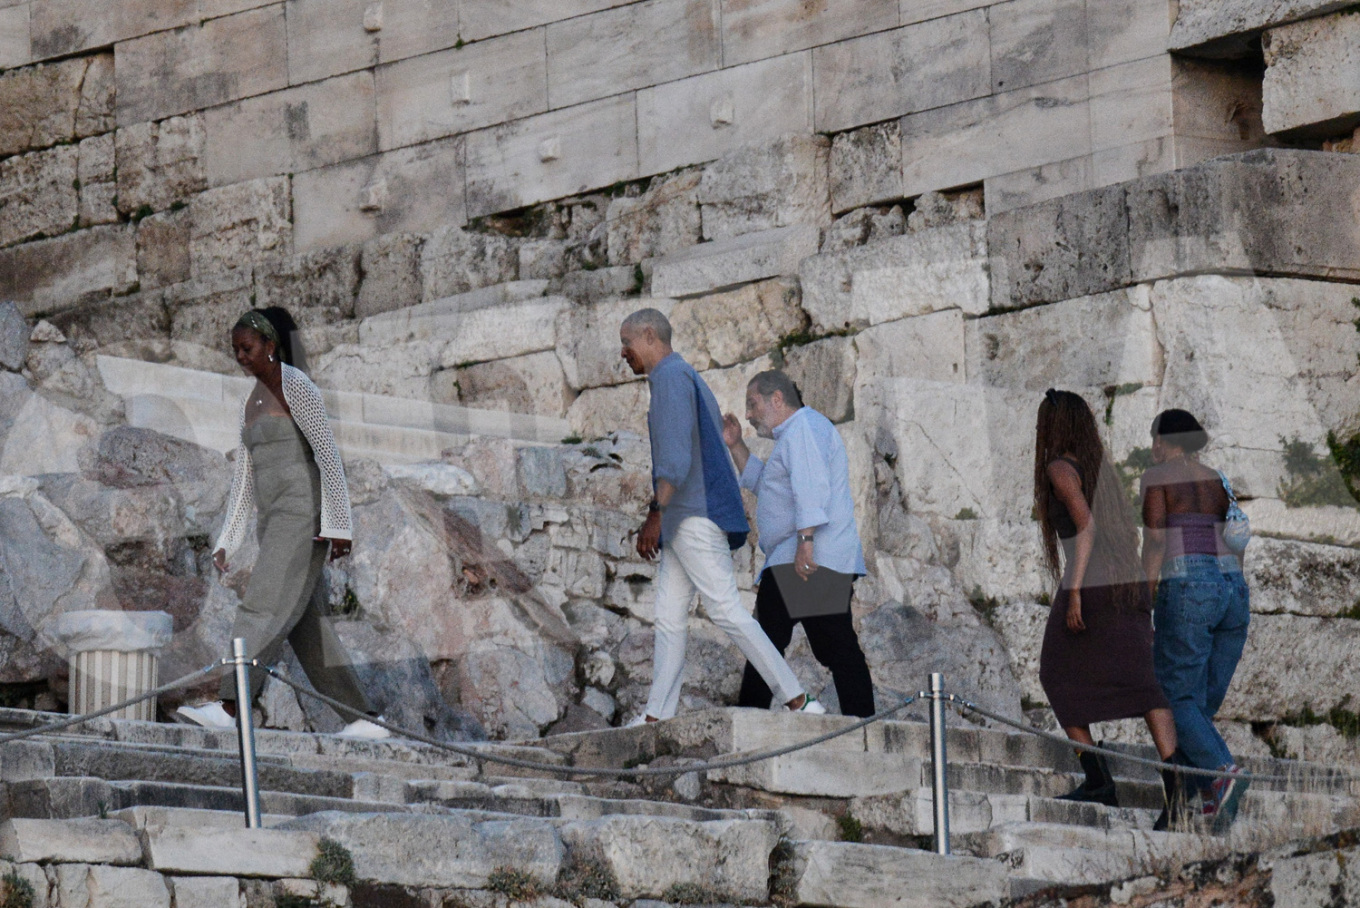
256,322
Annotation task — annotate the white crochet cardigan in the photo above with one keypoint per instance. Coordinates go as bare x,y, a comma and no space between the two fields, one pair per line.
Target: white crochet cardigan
304,401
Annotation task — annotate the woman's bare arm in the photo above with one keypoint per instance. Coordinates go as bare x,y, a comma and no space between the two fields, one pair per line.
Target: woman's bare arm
1154,530
1066,482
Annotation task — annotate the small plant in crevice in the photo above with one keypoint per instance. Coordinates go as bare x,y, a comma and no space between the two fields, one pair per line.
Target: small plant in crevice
513,883
783,873
1345,721
966,514
349,606
586,879
691,894
333,864
1113,393
294,900
849,828
1130,470
18,892
1315,480
985,605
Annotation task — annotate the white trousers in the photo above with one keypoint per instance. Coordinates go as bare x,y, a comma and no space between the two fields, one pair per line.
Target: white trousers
698,558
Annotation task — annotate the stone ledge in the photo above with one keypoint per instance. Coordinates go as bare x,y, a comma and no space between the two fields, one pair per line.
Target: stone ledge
69,841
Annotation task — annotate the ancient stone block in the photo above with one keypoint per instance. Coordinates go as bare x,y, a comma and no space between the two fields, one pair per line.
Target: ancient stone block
15,49
139,317
967,142
60,272
761,187
1290,660
1312,81
619,408
866,166
206,891
409,190
327,37
738,260
203,311
861,876
662,220
724,329
390,266
631,47
1039,184
769,28
238,224
14,333
61,27
187,69
291,131
1202,90
697,119
897,277
588,340
525,384
123,887
824,371
1060,249
930,64
864,225
230,852
1090,342
69,841
1218,28
38,194
485,20
1036,41
511,330
462,89
97,175
50,103
551,155
322,283
214,9
454,261
413,27
1300,578
163,248
160,164
1123,32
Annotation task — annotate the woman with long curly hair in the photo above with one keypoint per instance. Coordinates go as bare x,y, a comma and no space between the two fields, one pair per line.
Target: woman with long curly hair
1096,662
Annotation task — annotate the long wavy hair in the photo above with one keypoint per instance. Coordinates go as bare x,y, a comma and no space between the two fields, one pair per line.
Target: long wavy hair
1067,427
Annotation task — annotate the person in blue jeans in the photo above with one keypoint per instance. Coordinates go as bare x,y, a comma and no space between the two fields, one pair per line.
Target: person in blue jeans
1200,602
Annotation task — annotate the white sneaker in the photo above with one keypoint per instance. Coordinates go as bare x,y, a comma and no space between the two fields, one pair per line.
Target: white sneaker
811,706
209,715
639,719
365,730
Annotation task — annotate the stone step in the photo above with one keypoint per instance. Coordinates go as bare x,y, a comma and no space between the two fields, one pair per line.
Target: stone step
853,875
440,318
1082,854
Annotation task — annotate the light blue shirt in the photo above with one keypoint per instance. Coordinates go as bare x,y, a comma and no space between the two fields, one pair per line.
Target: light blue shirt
806,483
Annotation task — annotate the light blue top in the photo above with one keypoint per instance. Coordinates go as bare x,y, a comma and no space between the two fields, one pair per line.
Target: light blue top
806,483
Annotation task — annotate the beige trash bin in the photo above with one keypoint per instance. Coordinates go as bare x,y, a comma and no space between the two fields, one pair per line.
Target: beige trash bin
113,657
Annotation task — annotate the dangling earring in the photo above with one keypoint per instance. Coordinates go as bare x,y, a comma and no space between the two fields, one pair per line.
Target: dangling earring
271,357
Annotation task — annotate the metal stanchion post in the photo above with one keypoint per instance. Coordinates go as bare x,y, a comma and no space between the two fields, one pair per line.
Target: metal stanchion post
245,728
939,763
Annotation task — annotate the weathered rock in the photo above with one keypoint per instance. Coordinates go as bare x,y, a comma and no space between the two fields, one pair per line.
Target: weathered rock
160,164
69,841
600,411
513,330
941,209
897,277
141,317
738,260
1205,24
588,340
238,224
55,102
1301,578
163,249
202,312
97,181
866,876
662,220
454,261
70,269
926,348
1291,662
38,195
46,438
762,187
239,852
390,269
14,333
1021,626
864,225
523,384
866,166
126,887
317,286
824,371
724,329
206,891
1312,81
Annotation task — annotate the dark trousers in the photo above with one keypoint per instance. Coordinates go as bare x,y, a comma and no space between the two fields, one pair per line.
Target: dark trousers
834,644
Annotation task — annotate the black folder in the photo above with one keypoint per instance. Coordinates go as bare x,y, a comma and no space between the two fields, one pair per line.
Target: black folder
825,592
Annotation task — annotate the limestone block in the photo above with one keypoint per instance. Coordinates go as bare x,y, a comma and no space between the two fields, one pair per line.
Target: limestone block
230,852
1088,342
729,386
738,260
769,28
917,67
631,47
238,224
292,130
57,273
213,9
1312,81
1129,103
723,329
411,190
55,102
438,318
484,20
1033,185
1302,219
762,187
588,340
163,248
401,370
831,774
327,37
1202,91
512,330
97,176
206,892
866,166
126,887
1021,625
927,348
462,89
173,72
1290,661
413,27
319,285
1123,32
525,384
898,277
204,311
1301,578
1061,249
62,27
1036,41
69,841
967,142
700,118
455,261
864,225
552,155
869,876
390,269
1303,880
439,851
618,408
14,333
648,855
38,195
161,163
662,220
15,49
824,371
1210,22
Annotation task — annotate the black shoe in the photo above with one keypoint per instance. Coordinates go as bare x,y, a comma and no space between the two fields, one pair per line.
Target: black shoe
1099,785
1177,811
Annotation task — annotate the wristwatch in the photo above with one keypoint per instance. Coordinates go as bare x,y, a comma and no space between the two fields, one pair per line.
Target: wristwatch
805,537
653,506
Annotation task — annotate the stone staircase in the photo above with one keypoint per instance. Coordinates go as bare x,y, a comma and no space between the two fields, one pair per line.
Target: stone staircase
844,823
204,407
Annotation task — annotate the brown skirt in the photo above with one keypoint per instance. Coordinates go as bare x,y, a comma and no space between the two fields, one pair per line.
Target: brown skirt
1104,672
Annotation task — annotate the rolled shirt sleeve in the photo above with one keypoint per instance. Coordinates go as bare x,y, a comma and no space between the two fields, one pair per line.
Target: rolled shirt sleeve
750,475
810,477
